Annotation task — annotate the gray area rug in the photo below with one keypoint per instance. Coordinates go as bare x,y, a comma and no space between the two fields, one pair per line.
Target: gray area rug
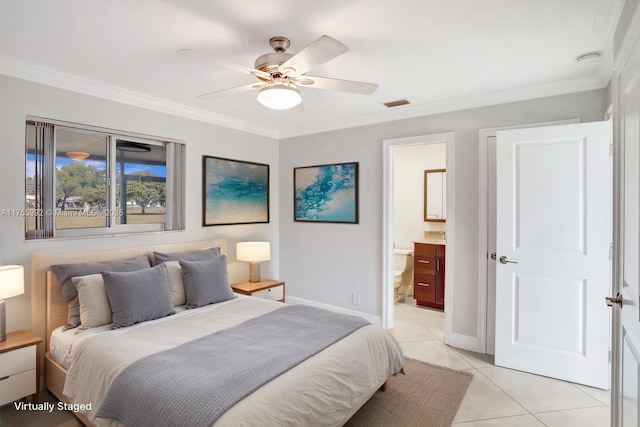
426,396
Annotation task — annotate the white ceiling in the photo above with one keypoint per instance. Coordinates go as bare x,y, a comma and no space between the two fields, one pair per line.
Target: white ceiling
438,54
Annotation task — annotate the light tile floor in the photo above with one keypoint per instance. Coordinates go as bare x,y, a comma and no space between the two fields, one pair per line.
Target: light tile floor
498,397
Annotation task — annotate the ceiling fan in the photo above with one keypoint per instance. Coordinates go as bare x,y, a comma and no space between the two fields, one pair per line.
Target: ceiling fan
280,73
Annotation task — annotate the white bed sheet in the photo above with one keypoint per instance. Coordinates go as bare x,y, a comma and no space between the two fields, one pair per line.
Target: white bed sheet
60,345
62,342
325,390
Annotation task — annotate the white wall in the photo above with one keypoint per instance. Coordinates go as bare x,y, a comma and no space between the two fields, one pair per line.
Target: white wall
329,262
21,98
321,262
409,164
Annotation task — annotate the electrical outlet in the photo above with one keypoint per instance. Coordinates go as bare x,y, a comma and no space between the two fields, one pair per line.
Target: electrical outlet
355,299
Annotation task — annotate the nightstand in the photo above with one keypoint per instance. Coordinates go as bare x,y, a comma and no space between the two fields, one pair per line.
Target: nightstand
268,289
19,367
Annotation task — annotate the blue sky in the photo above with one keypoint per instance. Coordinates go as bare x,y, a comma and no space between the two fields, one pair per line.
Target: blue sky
129,167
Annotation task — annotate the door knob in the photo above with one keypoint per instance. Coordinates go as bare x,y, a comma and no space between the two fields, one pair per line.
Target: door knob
504,260
614,300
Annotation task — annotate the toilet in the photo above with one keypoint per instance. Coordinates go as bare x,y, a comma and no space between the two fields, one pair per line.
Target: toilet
402,272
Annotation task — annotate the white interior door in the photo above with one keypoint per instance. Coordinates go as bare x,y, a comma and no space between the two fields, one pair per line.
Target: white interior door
491,245
553,236
627,318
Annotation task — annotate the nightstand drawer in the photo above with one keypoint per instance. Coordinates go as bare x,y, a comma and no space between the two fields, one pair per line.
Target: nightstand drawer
17,386
275,293
16,361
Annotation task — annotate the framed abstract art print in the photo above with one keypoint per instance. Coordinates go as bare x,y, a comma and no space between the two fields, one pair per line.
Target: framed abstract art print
234,192
326,193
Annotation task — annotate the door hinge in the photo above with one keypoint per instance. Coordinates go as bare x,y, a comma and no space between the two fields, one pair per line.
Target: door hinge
609,356
611,251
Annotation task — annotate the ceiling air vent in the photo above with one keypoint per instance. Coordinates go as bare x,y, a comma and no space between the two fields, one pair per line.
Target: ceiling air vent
396,103
590,57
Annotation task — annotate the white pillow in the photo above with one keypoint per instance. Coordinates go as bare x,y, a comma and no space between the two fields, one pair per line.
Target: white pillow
176,283
94,303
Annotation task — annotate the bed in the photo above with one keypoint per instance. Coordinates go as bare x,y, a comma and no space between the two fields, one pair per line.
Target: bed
81,366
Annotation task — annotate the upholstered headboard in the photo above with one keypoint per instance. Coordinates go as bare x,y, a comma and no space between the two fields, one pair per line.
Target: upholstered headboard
48,306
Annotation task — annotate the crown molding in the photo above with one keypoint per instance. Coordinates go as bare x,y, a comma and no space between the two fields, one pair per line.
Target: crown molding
24,71
49,77
631,37
606,65
463,103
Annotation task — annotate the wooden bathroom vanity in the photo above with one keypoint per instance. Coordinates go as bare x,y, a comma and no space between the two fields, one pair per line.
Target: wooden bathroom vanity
428,274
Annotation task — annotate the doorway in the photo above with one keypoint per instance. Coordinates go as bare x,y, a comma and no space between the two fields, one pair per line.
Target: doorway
390,147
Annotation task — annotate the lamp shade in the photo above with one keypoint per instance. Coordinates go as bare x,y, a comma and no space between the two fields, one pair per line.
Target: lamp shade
279,97
253,251
11,281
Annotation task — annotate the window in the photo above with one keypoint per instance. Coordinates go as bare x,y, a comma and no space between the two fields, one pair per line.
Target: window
82,180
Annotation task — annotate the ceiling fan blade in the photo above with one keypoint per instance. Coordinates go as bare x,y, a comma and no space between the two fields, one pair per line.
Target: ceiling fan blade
231,91
223,62
336,84
320,51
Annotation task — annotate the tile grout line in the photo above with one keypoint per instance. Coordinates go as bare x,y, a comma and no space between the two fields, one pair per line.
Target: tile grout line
478,369
592,397
508,394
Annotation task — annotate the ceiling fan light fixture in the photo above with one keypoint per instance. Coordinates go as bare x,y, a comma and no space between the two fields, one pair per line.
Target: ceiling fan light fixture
279,97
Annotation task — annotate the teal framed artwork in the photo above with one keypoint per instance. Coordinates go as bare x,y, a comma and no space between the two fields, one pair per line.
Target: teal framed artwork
326,193
234,192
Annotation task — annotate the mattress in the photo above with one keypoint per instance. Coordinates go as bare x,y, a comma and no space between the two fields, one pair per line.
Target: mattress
325,390
62,342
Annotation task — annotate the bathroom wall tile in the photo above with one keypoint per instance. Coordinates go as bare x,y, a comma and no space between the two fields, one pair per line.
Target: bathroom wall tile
434,235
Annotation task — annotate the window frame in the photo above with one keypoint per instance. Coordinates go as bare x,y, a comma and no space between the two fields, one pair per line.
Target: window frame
175,183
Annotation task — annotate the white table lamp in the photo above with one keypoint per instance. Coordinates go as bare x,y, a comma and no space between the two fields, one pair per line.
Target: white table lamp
254,253
11,284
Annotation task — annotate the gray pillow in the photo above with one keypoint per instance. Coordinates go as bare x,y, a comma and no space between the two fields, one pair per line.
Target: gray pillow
206,282
199,255
138,296
65,272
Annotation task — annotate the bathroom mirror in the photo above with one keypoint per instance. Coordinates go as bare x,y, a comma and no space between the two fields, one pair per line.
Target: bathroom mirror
435,195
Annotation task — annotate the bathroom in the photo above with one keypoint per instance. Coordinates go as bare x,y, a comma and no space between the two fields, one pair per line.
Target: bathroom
419,213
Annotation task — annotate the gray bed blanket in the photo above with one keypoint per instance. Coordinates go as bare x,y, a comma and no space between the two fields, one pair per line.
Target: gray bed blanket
195,383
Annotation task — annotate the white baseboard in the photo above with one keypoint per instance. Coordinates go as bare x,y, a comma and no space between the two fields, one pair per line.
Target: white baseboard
376,320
